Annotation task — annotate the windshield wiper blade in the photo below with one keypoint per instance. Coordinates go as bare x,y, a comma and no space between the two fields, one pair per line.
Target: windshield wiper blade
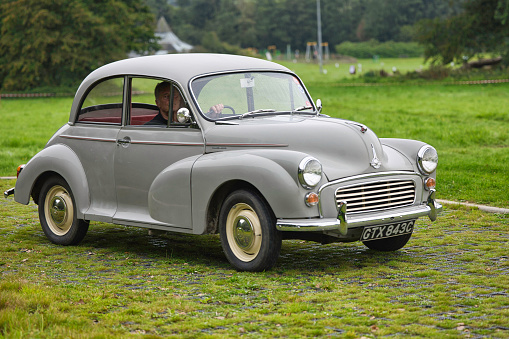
256,111
301,108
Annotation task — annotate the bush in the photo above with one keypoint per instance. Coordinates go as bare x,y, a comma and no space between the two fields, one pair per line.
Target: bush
389,49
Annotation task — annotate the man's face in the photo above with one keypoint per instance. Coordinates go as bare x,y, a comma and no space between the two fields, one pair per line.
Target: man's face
163,101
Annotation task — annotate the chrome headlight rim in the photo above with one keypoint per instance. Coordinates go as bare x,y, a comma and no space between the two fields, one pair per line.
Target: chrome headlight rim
309,176
427,159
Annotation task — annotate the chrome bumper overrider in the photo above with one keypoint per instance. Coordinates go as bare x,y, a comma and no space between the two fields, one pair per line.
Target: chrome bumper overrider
10,191
342,223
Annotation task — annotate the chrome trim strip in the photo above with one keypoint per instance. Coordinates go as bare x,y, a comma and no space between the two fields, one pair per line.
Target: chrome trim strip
87,138
358,177
162,143
246,145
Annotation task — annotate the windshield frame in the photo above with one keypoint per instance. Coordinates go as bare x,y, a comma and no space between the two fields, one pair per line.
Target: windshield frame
239,116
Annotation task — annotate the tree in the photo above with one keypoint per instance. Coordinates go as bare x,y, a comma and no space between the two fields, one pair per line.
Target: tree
58,42
483,27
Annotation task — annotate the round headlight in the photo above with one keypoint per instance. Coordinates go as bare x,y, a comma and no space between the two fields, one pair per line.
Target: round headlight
427,159
310,172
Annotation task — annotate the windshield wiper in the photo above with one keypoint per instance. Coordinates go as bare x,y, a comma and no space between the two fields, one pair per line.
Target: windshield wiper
256,111
301,108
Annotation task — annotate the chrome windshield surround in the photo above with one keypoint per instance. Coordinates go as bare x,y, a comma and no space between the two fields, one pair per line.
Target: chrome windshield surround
359,177
239,71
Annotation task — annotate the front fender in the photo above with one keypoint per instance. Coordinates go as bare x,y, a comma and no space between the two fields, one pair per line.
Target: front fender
272,172
61,160
408,148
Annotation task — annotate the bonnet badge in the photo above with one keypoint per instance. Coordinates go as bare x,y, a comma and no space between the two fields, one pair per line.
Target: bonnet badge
375,162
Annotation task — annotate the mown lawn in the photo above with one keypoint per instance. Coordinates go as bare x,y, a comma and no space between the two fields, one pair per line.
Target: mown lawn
449,281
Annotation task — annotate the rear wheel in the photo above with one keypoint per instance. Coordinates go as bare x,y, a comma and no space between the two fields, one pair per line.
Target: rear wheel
248,232
57,213
388,244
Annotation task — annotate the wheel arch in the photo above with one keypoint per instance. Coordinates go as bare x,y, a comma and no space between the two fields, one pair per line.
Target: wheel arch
57,160
272,174
217,199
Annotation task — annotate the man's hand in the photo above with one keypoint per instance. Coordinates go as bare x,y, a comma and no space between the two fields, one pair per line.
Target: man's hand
215,111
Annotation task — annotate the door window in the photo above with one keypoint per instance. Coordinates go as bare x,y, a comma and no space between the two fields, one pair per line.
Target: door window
151,100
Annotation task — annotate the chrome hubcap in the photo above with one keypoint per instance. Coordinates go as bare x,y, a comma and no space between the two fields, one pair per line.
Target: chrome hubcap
58,210
243,232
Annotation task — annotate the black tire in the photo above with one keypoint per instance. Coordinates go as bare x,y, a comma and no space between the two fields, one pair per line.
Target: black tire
248,232
388,244
57,213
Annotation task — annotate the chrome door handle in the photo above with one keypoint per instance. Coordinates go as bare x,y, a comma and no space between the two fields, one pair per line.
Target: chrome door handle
124,142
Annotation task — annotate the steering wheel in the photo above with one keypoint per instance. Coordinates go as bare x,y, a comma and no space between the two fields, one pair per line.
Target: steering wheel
230,108
219,115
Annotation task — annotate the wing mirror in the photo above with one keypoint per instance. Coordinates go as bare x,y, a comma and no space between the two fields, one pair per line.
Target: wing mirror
183,115
319,105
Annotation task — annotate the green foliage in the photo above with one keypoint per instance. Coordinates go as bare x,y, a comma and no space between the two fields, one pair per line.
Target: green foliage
385,19
262,23
480,29
58,42
211,43
389,49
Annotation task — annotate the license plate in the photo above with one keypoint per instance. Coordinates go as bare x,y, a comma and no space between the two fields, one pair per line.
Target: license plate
387,231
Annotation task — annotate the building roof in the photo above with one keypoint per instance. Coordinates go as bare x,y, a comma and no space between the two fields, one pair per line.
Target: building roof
168,40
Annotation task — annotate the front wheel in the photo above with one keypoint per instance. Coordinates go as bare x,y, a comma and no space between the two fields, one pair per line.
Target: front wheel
248,232
57,213
388,244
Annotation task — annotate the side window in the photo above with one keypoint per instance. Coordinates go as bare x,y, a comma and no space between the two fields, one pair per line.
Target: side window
151,100
103,104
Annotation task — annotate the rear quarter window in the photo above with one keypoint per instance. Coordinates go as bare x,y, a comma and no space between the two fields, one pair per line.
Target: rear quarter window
103,104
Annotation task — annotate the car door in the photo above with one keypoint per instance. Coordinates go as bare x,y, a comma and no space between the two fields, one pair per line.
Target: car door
148,151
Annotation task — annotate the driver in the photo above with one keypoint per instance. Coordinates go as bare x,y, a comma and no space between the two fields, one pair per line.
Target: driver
162,94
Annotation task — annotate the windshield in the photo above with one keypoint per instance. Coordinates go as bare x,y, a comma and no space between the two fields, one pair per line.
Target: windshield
239,95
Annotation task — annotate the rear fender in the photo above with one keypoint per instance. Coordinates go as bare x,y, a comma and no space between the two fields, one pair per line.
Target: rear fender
54,160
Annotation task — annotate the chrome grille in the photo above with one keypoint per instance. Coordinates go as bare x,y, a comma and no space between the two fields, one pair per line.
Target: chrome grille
377,195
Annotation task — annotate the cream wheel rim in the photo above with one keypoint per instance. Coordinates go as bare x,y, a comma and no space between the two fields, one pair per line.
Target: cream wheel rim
244,232
59,210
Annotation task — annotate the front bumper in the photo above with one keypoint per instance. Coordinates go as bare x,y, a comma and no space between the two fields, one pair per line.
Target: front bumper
343,223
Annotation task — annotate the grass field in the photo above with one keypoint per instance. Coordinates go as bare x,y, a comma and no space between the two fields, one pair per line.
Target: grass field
338,70
449,281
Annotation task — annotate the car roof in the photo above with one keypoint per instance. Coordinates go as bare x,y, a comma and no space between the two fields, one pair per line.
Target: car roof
180,68
183,66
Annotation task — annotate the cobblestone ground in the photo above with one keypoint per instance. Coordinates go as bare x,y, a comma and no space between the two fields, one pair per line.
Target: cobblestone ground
451,280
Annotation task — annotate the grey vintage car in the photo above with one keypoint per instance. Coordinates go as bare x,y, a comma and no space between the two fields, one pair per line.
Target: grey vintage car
243,152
